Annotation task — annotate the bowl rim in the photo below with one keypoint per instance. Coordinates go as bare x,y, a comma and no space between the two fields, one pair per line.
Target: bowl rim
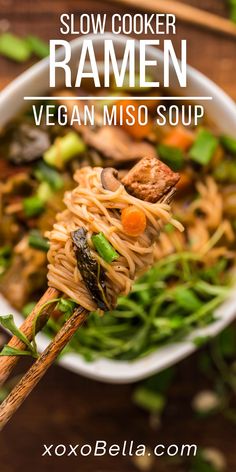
114,371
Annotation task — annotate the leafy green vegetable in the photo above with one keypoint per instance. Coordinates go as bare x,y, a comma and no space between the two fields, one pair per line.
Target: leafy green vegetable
228,142
12,351
171,156
104,248
93,275
37,241
14,48
187,299
38,46
204,147
8,323
175,296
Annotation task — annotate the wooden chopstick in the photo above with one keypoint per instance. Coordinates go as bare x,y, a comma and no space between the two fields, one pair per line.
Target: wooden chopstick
186,13
36,372
7,363
21,391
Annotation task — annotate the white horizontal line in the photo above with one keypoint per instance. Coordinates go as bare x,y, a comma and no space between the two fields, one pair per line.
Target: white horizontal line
117,98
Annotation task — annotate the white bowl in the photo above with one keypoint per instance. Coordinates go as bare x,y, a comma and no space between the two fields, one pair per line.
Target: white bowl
222,111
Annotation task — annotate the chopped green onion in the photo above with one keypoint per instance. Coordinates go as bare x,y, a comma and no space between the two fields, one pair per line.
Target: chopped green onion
28,308
37,46
104,248
44,192
64,149
228,142
37,241
45,173
204,147
33,206
14,48
171,156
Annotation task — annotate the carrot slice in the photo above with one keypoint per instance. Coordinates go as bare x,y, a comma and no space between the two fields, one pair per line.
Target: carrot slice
184,182
179,137
136,130
133,221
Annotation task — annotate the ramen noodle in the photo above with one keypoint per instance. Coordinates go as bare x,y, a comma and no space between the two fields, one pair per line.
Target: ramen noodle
98,210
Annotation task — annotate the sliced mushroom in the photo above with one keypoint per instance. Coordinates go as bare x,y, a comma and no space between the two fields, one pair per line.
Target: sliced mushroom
109,179
27,143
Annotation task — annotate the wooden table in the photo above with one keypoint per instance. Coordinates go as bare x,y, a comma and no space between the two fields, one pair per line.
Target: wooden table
211,53
69,409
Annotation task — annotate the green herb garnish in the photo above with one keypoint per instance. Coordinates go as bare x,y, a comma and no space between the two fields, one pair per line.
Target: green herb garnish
174,297
187,299
8,323
12,351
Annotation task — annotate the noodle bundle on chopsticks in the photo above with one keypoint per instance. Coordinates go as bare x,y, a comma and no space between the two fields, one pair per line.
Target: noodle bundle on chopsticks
92,209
